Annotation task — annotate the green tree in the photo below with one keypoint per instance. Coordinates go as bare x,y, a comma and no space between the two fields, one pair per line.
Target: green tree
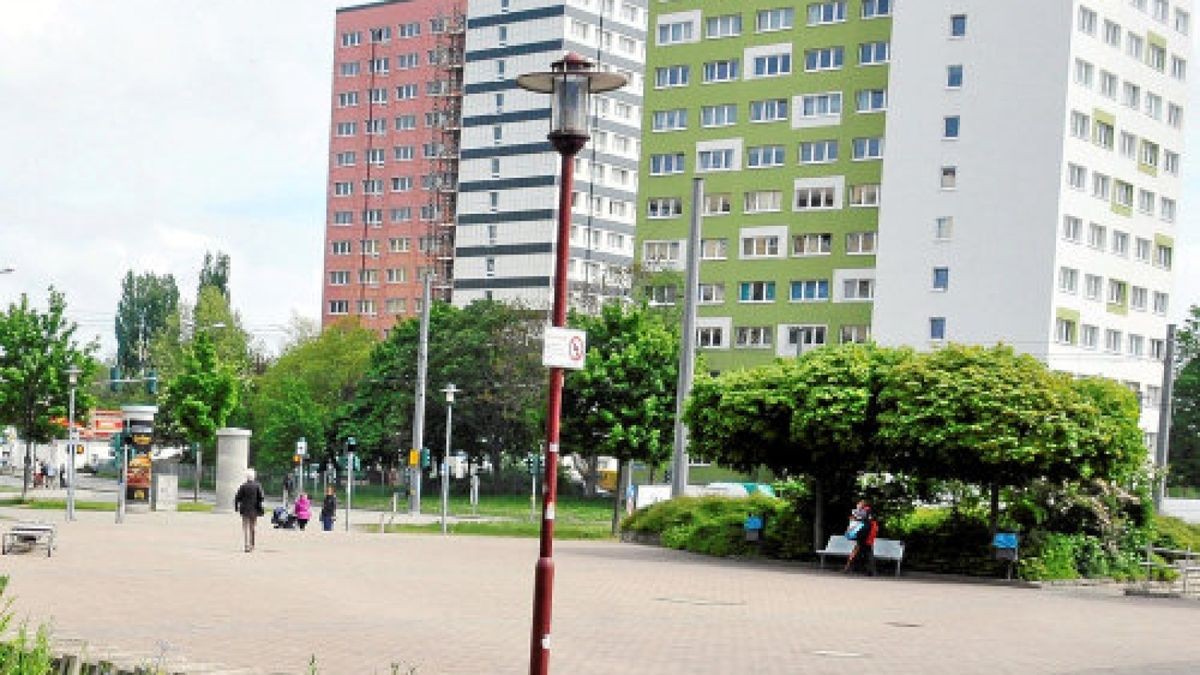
148,302
214,274
200,397
489,350
1184,446
36,350
303,391
622,403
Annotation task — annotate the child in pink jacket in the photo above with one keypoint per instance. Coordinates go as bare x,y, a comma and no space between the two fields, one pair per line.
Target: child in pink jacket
303,509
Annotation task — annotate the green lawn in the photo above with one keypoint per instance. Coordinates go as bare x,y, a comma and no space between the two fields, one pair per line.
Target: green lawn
57,504
506,528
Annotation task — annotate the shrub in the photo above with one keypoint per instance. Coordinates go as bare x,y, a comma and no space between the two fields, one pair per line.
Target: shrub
21,655
1174,533
712,525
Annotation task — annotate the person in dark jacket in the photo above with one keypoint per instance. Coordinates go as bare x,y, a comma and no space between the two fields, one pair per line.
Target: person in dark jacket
328,509
862,559
249,503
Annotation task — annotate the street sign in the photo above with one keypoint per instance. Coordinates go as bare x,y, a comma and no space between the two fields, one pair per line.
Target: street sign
564,348
414,457
302,447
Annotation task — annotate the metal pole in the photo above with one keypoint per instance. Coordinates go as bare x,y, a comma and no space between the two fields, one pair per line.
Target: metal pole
196,483
70,468
446,464
543,587
414,471
121,484
1163,446
687,351
349,485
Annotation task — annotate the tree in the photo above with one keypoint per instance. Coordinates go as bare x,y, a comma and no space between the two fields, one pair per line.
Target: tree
214,274
622,403
148,302
302,393
199,399
36,350
1185,414
489,350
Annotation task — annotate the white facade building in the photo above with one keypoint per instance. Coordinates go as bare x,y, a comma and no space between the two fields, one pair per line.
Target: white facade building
508,175
1031,181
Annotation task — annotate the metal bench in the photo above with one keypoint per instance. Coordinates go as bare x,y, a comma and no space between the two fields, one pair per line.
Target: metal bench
30,535
885,549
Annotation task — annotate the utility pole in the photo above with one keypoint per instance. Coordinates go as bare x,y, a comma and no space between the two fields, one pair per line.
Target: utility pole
687,352
414,471
1163,446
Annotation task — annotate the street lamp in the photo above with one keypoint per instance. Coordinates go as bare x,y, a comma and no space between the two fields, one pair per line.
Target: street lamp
73,378
569,83
450,391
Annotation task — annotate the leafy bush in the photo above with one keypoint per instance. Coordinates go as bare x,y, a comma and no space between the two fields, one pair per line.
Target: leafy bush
22,655
714,525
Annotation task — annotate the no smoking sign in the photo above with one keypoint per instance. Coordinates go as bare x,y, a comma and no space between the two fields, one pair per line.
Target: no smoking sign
564,348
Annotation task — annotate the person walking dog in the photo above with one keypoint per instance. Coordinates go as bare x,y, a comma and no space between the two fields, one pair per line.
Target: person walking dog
249,503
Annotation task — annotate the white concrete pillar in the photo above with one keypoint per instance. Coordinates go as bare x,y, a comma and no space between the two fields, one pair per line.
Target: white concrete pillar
233,457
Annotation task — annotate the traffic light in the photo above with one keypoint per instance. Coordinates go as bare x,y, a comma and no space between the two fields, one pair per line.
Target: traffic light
424,458
114,376
152,382
351,444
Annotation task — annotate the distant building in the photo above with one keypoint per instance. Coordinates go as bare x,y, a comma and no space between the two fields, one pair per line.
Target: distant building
393,157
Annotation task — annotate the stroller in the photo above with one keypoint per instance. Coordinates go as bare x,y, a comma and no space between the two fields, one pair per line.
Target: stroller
282,520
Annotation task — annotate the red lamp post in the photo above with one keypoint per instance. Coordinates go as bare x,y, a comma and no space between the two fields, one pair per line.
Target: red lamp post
569,83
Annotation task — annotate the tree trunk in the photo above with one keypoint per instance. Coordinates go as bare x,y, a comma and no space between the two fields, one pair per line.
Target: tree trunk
622,467
994,516
818,516
25,472
651,481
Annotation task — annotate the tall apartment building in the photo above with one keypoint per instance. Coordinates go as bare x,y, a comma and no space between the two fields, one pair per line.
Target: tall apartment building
926,171
393,156
508,190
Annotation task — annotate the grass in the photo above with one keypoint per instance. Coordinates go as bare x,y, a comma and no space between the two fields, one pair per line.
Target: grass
57,504
576,517
506,528
1183,492
194,507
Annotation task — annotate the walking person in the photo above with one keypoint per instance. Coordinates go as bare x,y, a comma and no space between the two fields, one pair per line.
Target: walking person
249,503
289,486
328,510
303,509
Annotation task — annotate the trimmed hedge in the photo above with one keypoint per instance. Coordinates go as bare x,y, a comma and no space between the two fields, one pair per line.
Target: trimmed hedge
714,525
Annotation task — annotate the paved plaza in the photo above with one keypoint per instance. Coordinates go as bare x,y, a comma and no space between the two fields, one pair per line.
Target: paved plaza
361,601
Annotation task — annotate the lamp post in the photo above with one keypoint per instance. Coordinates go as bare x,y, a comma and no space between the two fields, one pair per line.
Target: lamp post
73,378
450,391
569,82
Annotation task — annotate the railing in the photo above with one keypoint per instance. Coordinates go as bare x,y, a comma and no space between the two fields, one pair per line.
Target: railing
1168,567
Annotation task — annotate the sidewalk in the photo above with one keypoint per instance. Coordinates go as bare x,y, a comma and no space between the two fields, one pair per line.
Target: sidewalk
359,602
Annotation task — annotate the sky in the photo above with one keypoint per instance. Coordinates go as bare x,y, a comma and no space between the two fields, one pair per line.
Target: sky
139,134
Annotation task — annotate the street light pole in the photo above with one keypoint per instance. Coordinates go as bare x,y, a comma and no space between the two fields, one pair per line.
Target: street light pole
450,390
569,83
72,436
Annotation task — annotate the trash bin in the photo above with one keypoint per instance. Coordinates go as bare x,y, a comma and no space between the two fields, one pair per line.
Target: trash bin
1005,545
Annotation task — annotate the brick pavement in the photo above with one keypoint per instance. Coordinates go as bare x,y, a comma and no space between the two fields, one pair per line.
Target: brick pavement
362,601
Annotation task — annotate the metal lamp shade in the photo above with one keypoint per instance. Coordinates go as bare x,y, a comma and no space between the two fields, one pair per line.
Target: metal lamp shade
569,105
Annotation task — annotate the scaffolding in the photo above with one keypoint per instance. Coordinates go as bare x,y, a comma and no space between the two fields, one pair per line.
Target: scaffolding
445,125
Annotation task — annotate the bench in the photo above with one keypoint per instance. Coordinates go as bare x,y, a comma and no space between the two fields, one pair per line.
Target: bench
885,549
29,535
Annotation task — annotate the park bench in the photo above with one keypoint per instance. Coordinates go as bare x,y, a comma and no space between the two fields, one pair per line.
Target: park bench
839,546
29,535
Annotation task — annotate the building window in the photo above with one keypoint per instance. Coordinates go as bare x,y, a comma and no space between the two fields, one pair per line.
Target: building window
950,126
772,65
717,204
855,334
712,337
1112,34
858,289
1093,285
1167,210
729,25
349,69
1097,236
718,115
765,246
711,294
871,100
1087,21
1104,135
1183,21
714,249
826,12
780,18
661,165
1068,280
864,195
721,71
1081,125
949,179
1123,194
820,152
816,197
339,248
810,290
660,251
753,337
772,110
348,99
715,160
347,218
351,39
873,53
1139,298
1108,84
1117,292
826,58
664,207
1112,341
941,279
1089,336
1146,202
954,76
937,328
1161,303
876,8
661,295
1162,256
343,189
864,148
1120,243
756,291
812,244
339,307
1101,185
1064,331
821,105
763,201
339,278
860,243
1174,115
958,25
670,120
1077,176
1084,73
764,156
376,156
671,76
943,228
675,32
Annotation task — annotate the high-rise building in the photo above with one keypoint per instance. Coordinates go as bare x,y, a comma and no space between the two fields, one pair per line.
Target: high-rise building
393,155
922,172
508,191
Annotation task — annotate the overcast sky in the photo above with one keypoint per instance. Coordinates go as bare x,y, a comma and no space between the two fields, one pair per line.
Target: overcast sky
141,133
